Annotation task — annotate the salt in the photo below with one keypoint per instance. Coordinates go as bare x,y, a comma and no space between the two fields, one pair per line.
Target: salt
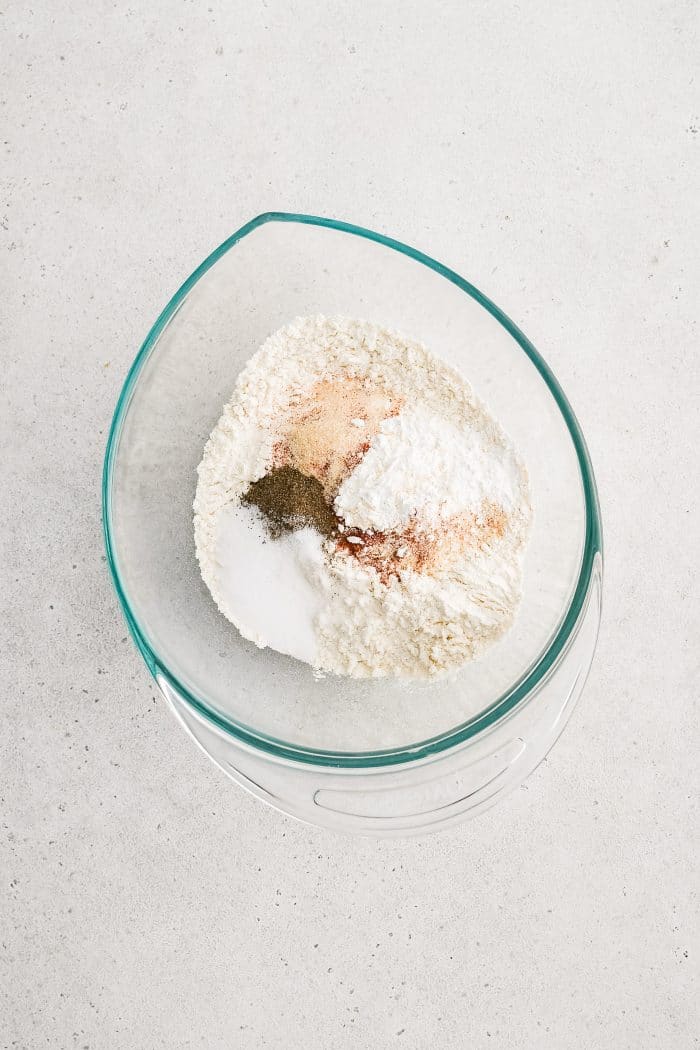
268,583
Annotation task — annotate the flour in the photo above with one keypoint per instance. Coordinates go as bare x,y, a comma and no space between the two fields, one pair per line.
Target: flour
431,499
420,625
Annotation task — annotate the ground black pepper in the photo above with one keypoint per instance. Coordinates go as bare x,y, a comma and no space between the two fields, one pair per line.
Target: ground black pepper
291,500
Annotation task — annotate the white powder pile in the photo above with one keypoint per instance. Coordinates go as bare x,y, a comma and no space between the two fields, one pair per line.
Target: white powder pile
424,569
270,586
425,465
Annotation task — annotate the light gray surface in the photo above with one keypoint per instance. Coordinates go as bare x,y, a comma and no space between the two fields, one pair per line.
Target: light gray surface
549,153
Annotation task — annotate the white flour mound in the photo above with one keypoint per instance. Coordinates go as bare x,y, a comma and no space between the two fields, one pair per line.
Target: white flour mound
441,456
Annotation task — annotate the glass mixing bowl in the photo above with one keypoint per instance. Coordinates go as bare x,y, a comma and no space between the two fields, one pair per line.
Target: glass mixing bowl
377,757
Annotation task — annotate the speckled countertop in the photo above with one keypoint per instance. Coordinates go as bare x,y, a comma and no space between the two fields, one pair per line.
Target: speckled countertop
550,153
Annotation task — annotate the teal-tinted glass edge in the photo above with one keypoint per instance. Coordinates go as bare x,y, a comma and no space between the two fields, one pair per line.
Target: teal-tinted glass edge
527,683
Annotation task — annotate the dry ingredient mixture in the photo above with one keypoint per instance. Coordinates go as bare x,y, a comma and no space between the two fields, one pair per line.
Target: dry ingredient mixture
357,506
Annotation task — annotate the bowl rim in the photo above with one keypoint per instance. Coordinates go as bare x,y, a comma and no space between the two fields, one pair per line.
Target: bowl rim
528,682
